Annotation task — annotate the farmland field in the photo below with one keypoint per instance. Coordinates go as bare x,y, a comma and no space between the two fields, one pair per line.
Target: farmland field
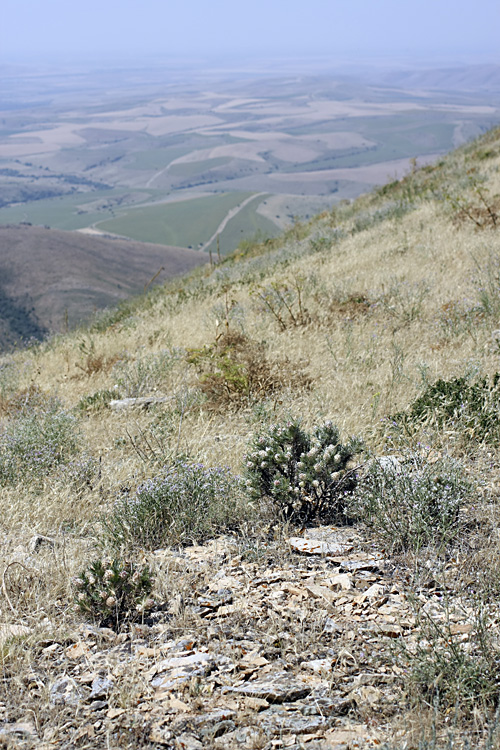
169,223
163,155
248,223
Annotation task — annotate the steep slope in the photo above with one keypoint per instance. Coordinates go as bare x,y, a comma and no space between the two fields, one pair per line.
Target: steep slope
382,316
50,278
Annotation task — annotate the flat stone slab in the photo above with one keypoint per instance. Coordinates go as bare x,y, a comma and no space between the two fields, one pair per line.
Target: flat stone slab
281,688
143,402
317,546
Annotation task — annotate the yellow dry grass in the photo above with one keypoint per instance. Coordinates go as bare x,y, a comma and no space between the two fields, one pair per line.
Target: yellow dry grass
383,311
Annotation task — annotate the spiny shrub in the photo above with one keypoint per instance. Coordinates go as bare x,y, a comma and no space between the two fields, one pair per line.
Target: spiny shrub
186,503
306,476
235,370
413,503
34,443
114,592
469,408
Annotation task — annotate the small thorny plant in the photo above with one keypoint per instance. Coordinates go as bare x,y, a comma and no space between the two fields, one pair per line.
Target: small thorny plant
306,476
412,503
114,592
187,502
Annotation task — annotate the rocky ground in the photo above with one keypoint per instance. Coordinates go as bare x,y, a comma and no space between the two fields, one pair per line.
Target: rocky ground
296,643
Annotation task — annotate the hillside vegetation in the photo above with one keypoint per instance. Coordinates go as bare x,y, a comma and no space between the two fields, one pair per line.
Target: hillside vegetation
380,316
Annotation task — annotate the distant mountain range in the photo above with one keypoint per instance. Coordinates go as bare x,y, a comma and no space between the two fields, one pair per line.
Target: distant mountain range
50,278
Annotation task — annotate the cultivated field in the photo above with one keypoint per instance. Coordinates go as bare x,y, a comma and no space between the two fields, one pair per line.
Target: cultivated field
88,149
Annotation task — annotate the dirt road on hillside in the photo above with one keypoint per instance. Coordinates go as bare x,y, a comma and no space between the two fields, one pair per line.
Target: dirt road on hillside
230,215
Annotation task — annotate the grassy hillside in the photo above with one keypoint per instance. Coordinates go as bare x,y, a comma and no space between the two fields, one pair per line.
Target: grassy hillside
380,315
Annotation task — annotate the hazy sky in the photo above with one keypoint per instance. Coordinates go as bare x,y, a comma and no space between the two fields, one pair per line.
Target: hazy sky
449,29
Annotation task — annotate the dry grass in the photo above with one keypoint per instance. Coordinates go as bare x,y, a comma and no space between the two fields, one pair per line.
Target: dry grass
390,308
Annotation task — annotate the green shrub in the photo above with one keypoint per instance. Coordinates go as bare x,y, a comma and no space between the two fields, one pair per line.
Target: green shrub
97,401
462,405
188,502
114,592
413,503
235,370
34,443
307,477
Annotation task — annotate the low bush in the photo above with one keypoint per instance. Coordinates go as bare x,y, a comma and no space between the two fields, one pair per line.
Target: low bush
97,401
235,370
188,502
35,442
307,477
412,503
467,407
114,593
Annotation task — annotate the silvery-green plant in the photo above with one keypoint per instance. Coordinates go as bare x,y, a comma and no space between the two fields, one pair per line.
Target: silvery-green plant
36,441
413,502
307,477
186,502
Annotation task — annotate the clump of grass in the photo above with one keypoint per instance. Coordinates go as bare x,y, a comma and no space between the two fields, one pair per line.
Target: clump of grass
412,503
455,671
307,477
186,503
140,378
36,441
114,593
464,406
234,371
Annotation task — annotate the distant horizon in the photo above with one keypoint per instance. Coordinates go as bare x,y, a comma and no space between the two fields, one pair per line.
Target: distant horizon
446,31
248,63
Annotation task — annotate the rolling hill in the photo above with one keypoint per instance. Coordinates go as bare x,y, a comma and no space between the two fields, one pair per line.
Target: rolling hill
51,279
